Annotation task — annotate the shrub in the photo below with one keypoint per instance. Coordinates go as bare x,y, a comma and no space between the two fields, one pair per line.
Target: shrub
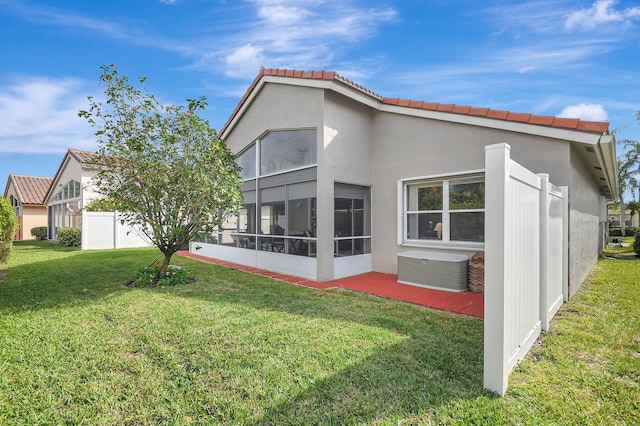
40,233
8,225
631,231
636,244
149,276
69,237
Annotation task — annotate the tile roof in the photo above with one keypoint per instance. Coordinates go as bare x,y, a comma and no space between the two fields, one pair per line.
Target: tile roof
543,120
30,189
83,157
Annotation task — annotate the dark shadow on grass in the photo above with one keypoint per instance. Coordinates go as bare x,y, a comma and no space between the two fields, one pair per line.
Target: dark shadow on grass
68,276
439,362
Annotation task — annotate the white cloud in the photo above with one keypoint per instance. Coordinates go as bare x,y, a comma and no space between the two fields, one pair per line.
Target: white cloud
584,111
601,12
304,36
247,56
41,116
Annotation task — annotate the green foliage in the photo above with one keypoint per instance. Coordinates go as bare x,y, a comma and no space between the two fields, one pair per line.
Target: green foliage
8,226
163,163
149,276
39,233
629,231
636,243
103,205
69,237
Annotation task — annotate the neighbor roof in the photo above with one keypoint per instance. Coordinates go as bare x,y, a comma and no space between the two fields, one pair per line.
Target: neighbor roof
544,120
30,190
83,157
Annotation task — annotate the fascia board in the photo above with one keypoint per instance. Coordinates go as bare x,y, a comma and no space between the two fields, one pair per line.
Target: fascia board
492,123
336,86
292,81
606,154
56,178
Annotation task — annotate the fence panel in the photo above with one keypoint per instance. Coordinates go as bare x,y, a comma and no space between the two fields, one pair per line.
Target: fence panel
512,264
106,230
554,249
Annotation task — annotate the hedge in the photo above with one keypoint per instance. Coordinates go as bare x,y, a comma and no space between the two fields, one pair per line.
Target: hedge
40,233
69,237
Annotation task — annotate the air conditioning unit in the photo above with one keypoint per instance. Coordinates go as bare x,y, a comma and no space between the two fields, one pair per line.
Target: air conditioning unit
440,271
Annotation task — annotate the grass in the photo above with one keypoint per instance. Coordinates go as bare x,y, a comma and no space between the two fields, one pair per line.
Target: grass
78,347
625,250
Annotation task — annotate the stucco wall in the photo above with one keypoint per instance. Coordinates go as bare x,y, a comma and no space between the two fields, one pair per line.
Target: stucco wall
277,106
584,220
407,147
32,217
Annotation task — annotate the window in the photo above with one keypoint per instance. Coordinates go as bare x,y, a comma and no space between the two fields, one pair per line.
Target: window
65,213
287,149
247,162
352,225
278,151
445,210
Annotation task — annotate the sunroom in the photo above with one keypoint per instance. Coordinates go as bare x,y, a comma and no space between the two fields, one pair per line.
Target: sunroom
276,228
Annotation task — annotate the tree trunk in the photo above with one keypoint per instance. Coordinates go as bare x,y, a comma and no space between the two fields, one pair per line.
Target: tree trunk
622,218
165,265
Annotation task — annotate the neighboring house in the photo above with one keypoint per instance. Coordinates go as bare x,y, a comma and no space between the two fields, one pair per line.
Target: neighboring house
26,194
615,218
70,191
340,180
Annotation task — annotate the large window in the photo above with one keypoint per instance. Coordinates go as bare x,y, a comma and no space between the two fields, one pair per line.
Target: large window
278,151
445,210
64,209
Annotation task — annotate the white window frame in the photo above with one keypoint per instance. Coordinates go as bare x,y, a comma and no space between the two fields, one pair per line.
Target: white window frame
445,242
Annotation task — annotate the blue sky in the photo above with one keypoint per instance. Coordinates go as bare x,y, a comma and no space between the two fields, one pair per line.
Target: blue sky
565,58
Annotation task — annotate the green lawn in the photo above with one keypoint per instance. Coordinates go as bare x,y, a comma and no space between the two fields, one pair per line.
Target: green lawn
78,347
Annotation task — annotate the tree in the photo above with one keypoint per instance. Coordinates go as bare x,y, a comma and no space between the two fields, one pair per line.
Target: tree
623,184
632,162
8,226
170,172
633,207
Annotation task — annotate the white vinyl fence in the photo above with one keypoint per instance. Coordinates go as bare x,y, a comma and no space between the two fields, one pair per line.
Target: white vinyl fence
525,261
106,230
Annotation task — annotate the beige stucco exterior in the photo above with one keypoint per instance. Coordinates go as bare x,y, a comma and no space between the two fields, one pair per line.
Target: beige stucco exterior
364,143
32,217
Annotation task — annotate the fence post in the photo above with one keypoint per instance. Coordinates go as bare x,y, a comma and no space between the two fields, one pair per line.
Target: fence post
545,201
84,231
565,241
497,159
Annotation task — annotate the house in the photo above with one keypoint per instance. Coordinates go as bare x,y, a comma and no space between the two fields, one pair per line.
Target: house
26,194
70,191
341,181
615,217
